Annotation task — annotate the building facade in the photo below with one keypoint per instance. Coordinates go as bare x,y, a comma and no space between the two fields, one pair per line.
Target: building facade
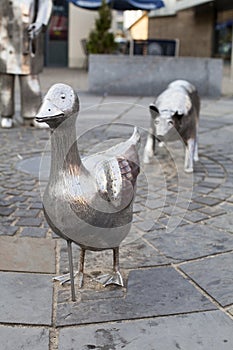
203,27
69,28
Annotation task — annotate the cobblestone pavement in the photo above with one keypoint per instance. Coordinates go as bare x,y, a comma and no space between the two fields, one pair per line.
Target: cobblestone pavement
176,262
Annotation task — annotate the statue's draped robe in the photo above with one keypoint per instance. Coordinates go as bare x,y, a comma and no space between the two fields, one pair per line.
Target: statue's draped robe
18,54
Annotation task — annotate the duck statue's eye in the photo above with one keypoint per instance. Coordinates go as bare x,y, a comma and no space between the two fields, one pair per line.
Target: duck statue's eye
63,96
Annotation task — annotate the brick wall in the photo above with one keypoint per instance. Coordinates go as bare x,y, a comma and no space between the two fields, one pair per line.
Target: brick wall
193,27
225,16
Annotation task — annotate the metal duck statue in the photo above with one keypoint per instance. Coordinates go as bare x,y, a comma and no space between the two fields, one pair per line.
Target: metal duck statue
87,201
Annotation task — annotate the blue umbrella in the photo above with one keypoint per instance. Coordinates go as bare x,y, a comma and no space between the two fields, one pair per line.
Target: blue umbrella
120,5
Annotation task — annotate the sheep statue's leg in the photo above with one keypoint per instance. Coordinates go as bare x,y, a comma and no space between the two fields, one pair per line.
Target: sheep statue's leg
189,155
149,149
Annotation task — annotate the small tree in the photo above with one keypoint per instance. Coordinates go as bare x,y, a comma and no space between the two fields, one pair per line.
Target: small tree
100,39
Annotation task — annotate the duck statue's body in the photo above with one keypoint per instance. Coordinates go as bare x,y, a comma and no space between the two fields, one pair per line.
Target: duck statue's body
87,201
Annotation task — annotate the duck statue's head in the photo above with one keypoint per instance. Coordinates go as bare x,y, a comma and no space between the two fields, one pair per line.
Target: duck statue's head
60,103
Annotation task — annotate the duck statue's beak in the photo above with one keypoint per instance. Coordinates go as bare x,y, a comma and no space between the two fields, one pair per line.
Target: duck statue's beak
48,112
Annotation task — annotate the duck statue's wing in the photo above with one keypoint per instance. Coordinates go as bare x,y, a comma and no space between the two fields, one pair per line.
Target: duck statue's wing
116,175
109,180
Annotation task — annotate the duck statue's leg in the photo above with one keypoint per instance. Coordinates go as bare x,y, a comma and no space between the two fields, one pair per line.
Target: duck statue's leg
115,277
71,270
69,277
80,272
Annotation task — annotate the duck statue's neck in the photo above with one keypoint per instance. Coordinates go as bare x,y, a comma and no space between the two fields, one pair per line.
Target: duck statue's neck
64,149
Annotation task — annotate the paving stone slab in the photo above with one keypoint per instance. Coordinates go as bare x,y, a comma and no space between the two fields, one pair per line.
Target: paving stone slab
146,225
155,203
34,222
214,275
223,134
207,200
228,207
36,205
8,230
199,331
140,254
24,338
224,222
208,184
22,205
202,190
13,192
30,165
16,199
27,254
222,193
25,298
191,241
216,211
6,211
27,213
195,217
230,310
150,292
34,232
192,205
230,199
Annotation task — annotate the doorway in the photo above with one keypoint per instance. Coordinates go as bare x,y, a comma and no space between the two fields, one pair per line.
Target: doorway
57,36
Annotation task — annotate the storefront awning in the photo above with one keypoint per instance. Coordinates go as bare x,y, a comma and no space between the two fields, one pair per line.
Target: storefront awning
121,5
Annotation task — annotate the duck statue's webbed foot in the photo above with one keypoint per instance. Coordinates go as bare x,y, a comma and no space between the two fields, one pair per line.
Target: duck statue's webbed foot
69,277
63,279
114,278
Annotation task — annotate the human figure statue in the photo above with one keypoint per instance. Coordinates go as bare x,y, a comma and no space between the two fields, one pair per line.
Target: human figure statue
22,23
